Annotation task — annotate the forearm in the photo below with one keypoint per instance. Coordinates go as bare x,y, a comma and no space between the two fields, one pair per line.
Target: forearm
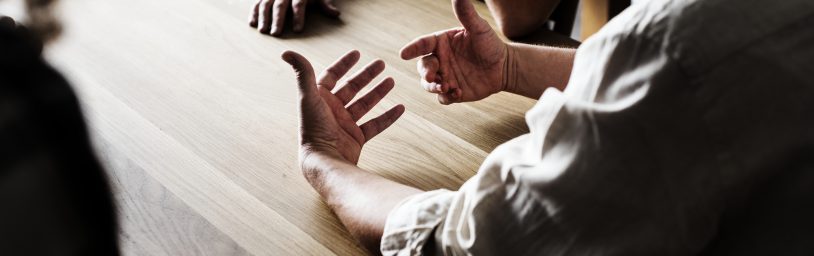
362,200
530,69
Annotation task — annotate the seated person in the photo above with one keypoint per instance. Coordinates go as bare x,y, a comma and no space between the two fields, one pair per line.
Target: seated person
656,137
54,194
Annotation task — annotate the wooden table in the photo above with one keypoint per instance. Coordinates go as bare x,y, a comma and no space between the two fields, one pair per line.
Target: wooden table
193,114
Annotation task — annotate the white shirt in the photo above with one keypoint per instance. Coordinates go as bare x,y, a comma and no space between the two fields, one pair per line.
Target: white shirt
687,127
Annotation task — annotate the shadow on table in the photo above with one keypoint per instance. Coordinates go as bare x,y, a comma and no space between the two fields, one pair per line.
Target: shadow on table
544,36
316,23
489,133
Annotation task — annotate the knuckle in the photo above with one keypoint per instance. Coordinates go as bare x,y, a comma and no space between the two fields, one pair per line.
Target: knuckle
346,62
350,85
363,104
373,71
341,94
423,44
331,73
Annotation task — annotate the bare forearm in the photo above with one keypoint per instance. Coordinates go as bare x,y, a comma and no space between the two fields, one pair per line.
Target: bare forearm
531,69
361,200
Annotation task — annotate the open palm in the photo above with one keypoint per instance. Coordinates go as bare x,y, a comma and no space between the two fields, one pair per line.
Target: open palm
326,124
461,64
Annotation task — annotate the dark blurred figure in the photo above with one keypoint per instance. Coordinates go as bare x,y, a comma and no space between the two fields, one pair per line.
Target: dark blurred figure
54,196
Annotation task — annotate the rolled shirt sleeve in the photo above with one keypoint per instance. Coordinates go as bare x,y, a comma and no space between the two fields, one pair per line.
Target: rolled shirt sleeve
623,162
411,225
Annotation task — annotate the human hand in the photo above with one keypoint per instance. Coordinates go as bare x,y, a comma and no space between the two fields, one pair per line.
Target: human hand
461,64
327,126
24,36
268,16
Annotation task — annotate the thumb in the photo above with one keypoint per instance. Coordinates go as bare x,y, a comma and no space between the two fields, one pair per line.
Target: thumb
306,79
469,17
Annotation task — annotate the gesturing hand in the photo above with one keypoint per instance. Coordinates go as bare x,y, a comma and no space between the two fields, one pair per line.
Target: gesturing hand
326,124
268,16
461,64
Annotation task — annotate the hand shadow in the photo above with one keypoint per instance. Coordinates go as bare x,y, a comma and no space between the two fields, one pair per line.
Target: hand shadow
545,36
316,23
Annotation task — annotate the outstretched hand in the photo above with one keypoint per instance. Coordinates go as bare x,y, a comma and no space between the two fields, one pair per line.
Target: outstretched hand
461,64
268,16
328,118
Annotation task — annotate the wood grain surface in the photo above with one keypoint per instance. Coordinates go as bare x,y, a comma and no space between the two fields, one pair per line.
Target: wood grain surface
193,114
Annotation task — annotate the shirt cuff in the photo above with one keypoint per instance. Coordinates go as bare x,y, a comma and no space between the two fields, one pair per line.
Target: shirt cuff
411,223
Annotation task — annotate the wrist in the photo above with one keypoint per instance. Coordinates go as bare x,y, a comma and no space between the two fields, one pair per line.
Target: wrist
328,173
315,161
509,77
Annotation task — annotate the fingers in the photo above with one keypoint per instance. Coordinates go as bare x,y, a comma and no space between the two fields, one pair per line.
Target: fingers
422,46
264,20
428,68
255,13
279,10
336,71
298,7
329,8
305,74
433,87
382,122
452,96
364,104
347,91
469,17
268,16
